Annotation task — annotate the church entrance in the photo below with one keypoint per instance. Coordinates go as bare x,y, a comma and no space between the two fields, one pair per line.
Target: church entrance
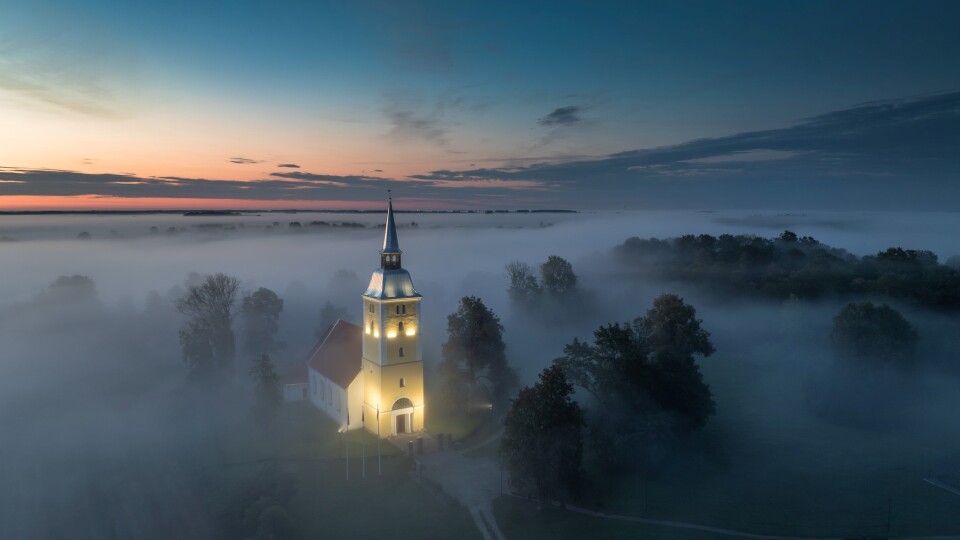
403,416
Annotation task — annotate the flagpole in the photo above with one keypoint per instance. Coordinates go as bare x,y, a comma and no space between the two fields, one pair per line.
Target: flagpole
363,443
379,466
348,445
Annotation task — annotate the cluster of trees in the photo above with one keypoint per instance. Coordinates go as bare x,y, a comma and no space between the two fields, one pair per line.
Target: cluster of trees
869,383
557,284
474,360
645,389
208,340
790,265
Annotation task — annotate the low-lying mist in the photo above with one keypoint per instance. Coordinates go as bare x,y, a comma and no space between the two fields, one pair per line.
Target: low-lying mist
96,414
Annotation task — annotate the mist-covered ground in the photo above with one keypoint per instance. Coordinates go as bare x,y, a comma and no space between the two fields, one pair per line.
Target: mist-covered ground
100,439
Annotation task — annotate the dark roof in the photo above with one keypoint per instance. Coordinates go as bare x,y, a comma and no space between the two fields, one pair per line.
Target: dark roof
390,242
295,375
337,355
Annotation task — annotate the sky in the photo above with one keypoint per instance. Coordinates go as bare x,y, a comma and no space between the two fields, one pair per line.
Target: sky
581,105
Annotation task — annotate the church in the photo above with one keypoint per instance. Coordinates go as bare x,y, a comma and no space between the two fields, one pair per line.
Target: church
371,376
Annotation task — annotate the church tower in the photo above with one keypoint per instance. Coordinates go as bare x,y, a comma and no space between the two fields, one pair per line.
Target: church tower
392,361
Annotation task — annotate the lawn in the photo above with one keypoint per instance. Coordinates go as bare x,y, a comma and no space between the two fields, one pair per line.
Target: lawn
329,505
521,519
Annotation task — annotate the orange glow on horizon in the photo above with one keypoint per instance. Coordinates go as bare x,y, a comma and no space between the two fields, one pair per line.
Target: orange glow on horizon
20,203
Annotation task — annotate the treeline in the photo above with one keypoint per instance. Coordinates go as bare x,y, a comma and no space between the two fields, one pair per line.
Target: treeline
791,265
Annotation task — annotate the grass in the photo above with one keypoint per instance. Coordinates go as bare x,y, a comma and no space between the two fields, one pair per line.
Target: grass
329,505
521,519
391,506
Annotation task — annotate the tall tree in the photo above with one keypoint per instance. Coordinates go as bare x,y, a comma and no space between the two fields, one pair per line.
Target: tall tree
207,339
267,390
542,442
877,335
260,313
557,277
475,351
645,370
524,289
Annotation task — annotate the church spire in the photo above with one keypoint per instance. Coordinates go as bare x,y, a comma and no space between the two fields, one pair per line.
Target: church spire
390,254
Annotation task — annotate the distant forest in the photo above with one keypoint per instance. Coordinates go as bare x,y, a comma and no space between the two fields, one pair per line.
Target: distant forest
793,266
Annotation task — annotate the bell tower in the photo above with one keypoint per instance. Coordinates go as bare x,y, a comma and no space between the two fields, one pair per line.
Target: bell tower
392,357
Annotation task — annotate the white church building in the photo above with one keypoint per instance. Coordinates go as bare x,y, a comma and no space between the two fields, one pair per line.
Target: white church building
371,376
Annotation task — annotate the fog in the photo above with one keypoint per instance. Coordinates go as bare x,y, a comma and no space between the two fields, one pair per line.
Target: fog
95,414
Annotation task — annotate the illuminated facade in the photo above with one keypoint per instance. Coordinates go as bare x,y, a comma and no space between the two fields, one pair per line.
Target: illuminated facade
392,357
371,376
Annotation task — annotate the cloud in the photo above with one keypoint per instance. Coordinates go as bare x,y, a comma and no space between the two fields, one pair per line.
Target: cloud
893,153
563,116
292,186
288,165
407,125
244,161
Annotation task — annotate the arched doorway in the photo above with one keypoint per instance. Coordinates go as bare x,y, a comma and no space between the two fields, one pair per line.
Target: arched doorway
402,416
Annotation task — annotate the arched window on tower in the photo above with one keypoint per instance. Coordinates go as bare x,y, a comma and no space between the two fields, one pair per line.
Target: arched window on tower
403,383
400,327
403,309
401,352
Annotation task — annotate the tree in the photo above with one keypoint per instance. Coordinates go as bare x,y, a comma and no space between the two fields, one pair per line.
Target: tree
475,350
524,289
644,373
207,339
267,390
876,335
260,312
557,277
329,314
542,442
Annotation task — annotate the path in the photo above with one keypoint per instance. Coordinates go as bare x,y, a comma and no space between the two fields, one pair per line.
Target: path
474,482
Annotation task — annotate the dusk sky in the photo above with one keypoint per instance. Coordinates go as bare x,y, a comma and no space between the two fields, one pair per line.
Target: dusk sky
583,105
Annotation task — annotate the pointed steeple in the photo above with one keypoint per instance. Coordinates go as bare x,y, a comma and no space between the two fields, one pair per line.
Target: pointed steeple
390,254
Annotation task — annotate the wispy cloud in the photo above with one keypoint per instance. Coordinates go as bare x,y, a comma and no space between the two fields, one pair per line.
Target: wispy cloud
288,165
408,125
244,161
562,116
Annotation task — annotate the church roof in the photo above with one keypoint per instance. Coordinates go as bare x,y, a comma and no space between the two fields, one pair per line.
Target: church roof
297,375
337,355
390,242
394,283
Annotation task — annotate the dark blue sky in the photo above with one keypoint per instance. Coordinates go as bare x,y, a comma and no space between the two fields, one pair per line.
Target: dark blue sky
480,104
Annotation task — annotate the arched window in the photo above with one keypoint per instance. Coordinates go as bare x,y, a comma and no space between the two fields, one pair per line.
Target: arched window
400,327
403,384
398,309
402,403
403,309
401,353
